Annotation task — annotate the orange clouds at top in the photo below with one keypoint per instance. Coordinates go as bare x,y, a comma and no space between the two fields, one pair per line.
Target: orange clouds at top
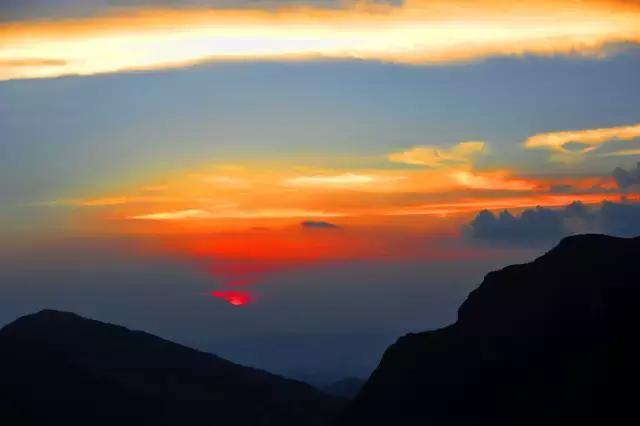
417,31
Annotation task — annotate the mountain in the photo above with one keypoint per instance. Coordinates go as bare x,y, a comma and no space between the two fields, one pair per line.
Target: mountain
348,387
551,342
59,368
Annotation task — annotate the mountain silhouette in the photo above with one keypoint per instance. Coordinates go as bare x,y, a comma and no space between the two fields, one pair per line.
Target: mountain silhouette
551,342
58,368
346,388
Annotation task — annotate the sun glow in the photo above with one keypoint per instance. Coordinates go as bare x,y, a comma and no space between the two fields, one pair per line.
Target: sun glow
245,225
235,298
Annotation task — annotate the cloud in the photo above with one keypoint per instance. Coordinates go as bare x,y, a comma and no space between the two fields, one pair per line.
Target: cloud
31,62
573,145
217,196
411,32
622,153
227,181
312,224
341,180
627,179
176,215
532,225
542,224
274,213
498,180
435,156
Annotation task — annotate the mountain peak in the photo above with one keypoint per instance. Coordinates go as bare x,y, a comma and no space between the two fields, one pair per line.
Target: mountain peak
74,370
592,242
52,314
46,318
575,273
550,342
50,325
55,312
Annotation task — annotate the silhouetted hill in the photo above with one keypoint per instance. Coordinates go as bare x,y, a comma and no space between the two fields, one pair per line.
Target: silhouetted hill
58,368
348,387
551,342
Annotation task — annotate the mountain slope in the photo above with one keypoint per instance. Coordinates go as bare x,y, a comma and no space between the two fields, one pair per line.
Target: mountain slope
60,368
348,387
551,342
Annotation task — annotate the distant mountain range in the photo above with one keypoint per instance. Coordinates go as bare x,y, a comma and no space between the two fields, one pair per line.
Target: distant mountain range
551,342
58,368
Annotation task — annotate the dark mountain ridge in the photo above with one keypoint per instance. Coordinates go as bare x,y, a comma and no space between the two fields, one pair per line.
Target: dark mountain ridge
550,342
60,368
348,387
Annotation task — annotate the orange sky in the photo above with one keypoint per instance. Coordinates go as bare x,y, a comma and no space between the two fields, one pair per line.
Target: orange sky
242,220
426,180
418,31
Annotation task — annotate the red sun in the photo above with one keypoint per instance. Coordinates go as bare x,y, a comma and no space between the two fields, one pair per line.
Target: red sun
235,298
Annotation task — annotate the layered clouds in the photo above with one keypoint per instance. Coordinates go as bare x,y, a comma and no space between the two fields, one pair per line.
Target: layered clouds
431,179
155,36
542,224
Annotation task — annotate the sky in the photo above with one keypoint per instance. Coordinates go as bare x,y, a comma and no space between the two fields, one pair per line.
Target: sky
295,184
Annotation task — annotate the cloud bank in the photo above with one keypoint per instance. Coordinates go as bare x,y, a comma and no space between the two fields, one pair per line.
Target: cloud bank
413,32
542,224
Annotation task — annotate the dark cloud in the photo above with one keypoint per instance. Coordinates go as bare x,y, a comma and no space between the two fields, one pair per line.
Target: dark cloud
543,224
311,224
533,224
627,178
620,219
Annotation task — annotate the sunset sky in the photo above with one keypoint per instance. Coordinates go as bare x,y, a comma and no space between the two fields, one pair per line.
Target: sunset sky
232,174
